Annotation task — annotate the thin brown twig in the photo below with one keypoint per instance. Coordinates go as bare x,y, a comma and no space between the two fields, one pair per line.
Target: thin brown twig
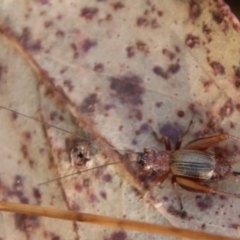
108,221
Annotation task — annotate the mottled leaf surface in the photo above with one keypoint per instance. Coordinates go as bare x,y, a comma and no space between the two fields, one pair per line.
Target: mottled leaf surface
118,69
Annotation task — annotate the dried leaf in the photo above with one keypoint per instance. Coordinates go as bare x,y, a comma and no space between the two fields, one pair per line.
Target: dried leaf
121,69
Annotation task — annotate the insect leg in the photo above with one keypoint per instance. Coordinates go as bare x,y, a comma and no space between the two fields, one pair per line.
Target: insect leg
164,139
162,178
206,142
195,186
179,142
175,184
158,182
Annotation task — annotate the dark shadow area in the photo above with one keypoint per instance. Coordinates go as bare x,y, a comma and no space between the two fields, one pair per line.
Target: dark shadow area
235,7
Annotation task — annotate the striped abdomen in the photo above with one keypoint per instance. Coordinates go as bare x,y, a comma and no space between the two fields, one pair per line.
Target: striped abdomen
192,164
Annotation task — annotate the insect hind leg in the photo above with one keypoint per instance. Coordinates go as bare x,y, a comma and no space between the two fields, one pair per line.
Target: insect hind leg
204,143
194,186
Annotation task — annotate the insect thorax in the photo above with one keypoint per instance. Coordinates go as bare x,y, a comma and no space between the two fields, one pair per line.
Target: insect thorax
155,161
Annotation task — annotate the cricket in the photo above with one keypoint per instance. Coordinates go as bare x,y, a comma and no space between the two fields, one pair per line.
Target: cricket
190,167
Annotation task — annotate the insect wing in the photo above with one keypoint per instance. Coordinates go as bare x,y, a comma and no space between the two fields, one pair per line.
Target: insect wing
192,164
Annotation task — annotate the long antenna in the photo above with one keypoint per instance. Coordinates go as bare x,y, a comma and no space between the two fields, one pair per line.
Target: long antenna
48,124
79,172
35,119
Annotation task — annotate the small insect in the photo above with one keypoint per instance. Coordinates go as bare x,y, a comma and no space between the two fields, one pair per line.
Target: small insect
80,154
191,167
80,150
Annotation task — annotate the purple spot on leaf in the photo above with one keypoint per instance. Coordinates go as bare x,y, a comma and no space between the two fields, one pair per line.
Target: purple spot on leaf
88,12
88,104
119,235
204,203
128,89
172,131
88,44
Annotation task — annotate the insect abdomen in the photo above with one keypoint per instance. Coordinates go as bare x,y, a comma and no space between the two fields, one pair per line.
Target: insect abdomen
192,164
